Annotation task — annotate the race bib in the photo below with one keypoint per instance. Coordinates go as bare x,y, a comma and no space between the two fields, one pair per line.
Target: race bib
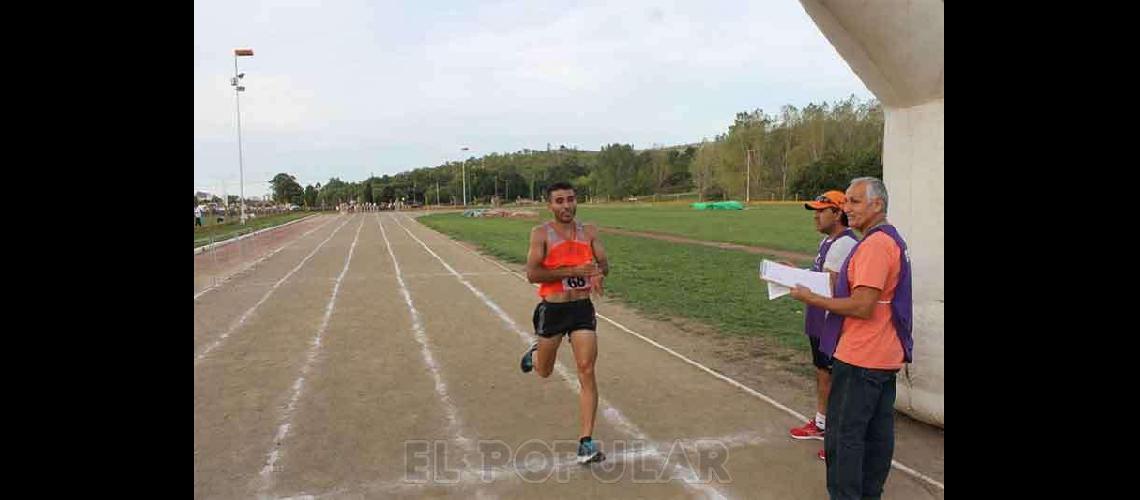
576,283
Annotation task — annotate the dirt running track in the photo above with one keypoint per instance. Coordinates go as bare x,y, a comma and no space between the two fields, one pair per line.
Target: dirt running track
385,364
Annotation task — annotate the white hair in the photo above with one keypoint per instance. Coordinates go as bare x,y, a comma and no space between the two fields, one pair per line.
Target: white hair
875,189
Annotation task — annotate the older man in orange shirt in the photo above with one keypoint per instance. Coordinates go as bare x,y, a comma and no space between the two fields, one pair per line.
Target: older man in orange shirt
868,335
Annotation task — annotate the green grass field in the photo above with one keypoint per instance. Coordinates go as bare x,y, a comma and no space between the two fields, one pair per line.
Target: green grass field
783,227
214,232
660,279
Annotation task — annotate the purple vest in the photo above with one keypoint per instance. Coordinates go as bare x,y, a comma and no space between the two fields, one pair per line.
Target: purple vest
901,304
813,316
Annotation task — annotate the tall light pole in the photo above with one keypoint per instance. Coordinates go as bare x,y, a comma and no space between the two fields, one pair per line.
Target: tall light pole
238,89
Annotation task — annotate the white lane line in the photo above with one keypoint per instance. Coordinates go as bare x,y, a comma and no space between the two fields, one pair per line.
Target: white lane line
286,419
611,413
241,321
421,337
266,256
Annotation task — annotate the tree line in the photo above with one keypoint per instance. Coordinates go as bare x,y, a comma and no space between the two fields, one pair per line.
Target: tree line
795,153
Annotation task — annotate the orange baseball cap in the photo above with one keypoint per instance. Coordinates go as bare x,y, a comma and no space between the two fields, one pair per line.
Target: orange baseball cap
830,199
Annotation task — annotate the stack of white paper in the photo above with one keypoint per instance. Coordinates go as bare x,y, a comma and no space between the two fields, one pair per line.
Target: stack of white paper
781,279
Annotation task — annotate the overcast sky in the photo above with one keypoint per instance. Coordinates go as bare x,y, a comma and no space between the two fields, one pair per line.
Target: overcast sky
348,88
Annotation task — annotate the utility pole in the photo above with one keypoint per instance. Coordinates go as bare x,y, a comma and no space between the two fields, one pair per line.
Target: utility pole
748,178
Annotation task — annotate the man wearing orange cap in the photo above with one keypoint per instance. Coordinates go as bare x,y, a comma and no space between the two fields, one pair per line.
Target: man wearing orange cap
836,244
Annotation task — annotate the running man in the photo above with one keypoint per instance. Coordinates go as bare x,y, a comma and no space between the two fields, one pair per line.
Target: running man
567,259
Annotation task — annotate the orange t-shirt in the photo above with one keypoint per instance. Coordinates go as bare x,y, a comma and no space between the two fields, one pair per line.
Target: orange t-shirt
561,252
874,342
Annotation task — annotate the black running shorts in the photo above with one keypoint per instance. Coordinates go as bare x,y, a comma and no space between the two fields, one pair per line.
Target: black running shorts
818,358
561,318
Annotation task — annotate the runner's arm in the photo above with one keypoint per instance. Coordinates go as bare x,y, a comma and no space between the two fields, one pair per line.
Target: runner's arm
599,251
860,304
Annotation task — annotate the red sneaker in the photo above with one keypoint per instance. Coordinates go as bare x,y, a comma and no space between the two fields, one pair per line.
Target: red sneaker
821,455
808,431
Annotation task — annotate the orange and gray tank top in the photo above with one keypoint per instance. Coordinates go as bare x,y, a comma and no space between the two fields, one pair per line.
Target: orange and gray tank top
561,252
